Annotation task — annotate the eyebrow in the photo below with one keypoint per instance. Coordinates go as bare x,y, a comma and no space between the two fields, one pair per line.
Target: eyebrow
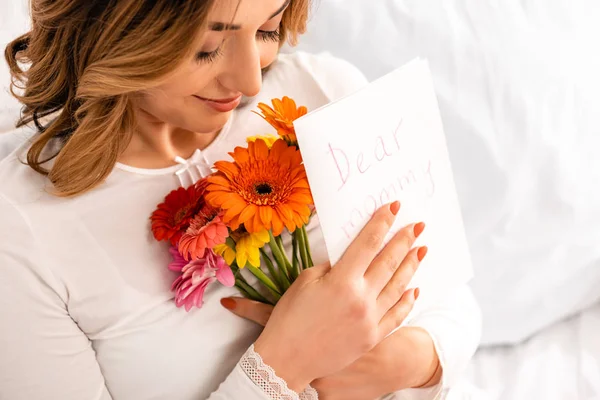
283,7
221,26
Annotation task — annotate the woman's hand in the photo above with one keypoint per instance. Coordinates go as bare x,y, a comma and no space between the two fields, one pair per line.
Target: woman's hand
405,359
373,375
330,317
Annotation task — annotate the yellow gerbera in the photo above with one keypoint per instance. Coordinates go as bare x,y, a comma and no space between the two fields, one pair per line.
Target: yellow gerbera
268,139
247,248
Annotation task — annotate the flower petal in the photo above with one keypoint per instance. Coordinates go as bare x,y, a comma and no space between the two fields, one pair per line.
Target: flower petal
301,198
290,224
266,213
277,224
248,213
225,276
261,150
210,231
241,155
254,258
263,236
229,169
241,258
257,225
218,180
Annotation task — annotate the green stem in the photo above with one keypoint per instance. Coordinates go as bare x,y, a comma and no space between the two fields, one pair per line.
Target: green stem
295,261
279,258
238,285
244,286
265,280
251,292
278,280
288,264
307,243
302,248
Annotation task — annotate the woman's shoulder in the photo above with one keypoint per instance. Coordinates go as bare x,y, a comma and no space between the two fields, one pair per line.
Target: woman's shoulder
19,183
18,187
323,72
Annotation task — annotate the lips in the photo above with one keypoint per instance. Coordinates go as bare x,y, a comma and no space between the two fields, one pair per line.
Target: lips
221,105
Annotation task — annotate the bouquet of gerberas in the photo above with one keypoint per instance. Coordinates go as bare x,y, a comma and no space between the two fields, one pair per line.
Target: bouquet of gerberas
225,222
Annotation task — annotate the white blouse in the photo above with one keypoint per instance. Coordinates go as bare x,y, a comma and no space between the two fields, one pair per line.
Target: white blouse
85,301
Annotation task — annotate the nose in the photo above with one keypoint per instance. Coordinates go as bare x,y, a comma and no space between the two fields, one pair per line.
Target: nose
244,70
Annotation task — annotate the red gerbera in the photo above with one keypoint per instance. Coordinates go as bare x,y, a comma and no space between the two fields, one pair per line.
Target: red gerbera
173,217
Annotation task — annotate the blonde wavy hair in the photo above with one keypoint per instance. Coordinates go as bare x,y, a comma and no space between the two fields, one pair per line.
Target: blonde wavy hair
82,62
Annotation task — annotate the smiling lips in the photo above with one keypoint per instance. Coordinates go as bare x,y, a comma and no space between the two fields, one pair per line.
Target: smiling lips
221,105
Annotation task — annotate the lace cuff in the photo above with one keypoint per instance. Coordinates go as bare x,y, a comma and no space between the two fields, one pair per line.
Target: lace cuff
267,380
310,393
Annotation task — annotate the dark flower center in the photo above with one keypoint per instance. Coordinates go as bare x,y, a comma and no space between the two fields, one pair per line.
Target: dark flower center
181,214
263,189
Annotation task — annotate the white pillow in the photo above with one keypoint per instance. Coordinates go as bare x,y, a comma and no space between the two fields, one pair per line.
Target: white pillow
518,84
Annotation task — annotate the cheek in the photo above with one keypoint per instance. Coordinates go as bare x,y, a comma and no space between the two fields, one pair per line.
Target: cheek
155,101
180,110
268,54
170,100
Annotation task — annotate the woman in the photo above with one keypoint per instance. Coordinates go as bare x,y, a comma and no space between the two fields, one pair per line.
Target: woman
120,89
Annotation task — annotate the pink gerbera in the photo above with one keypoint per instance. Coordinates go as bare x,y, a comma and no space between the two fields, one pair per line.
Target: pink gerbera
178,261
189,287
206,230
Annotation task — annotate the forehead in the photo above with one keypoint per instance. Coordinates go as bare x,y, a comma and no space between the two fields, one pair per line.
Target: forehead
246,13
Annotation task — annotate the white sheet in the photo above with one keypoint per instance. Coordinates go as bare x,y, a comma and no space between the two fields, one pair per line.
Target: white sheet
560,363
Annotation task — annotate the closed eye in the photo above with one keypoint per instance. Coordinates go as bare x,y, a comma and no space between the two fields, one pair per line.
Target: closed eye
269,36
265,36
208,56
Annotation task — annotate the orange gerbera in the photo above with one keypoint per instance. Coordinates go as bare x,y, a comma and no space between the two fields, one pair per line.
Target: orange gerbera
263,188
282,116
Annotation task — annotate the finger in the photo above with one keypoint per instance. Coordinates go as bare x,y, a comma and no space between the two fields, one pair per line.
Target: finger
248,309
316,272
387,262
398,313
369,241
398,283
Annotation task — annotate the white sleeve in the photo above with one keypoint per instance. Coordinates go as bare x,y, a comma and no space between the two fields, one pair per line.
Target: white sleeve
454,324
252,379
44,354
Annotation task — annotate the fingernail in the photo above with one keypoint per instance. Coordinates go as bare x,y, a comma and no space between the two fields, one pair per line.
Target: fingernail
417,292
419,228
228,303
395,207
421,253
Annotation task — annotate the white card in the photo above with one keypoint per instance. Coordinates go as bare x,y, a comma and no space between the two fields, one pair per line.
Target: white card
384,143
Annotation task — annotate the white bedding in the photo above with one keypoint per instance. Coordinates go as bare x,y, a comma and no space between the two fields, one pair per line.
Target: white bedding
560,363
